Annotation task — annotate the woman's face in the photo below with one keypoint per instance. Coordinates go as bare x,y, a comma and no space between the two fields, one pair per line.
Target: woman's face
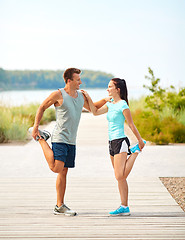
112,90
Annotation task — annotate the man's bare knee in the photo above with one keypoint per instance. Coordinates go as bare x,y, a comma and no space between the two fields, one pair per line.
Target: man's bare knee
57,167
63,173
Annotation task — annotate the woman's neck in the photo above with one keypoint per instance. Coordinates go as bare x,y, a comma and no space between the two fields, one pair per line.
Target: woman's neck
116,98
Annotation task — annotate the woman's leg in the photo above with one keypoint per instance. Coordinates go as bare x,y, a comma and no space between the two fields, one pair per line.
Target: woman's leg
129,164
122,167
123,190
119,164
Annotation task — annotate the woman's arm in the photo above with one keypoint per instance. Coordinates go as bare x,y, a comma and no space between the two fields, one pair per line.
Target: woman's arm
95,108
102,102
128,117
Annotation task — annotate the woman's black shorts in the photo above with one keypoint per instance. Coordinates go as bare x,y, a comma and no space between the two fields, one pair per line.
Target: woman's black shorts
120,145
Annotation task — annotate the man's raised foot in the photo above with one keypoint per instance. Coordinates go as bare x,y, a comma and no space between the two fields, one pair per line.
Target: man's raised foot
43,133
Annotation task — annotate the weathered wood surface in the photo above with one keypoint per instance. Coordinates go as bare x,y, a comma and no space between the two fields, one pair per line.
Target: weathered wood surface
27,201
26,206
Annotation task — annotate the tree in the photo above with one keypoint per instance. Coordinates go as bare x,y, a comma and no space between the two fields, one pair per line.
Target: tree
161,98
4,80
156,99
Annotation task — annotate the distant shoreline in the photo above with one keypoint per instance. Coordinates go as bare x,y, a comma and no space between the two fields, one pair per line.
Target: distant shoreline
20,97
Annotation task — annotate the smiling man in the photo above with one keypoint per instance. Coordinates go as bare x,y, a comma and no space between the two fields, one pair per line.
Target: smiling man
68,102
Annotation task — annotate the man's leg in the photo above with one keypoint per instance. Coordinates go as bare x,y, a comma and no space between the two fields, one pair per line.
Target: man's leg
55,165
61,186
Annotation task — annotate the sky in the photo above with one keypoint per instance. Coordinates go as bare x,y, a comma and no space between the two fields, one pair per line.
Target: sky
121,37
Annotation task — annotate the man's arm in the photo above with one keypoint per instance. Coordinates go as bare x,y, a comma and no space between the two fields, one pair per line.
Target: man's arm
52,99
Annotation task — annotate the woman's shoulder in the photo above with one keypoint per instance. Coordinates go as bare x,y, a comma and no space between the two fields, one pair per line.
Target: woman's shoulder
123,101
124,104
109,103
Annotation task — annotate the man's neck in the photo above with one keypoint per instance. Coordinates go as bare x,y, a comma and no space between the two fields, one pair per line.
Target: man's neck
72,92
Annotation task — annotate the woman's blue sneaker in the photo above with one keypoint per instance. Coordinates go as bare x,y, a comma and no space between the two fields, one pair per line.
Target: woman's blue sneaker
121,211
136,148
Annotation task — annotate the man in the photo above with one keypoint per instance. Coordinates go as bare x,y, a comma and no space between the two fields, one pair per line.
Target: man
68,103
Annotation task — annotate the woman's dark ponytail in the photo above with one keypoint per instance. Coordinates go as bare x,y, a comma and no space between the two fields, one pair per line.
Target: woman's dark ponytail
121,84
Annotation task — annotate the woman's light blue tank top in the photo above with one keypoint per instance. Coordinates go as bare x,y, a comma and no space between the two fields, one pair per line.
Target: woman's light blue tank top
116,119
67,118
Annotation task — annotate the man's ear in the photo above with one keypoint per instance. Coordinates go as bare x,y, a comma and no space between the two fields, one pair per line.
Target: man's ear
70,80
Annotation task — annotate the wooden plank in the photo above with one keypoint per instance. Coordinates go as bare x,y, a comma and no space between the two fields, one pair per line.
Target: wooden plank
155,215
113,238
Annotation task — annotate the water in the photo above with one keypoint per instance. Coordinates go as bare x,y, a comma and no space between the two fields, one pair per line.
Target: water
17,98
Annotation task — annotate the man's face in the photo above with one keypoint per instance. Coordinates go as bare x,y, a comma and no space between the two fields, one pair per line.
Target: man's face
76,81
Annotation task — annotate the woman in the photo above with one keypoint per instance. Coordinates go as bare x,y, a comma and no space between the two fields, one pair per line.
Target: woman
117,111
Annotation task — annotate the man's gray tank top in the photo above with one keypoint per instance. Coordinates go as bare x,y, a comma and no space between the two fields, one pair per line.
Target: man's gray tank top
67,118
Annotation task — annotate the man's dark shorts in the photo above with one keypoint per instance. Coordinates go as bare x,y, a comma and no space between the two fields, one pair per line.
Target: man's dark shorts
64,152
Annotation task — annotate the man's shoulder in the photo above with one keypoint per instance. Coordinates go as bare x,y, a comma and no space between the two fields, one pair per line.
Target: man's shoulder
56,94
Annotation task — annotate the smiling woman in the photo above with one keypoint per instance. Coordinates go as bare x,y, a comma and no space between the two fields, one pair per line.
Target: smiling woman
121,154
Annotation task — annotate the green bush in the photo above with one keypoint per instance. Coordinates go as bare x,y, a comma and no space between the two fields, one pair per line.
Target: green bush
137,104
161,98
49,115
15,121
155,129
162,120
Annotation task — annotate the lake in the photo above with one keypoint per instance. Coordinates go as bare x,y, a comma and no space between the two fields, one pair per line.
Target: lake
17,98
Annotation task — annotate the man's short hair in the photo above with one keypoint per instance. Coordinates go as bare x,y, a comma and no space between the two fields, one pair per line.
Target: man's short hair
68,74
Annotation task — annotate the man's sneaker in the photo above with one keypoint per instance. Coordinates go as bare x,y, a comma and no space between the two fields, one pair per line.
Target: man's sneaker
121,211
64,210
136,148
43,133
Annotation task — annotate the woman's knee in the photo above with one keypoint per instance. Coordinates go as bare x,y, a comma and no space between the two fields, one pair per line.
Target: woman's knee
119,176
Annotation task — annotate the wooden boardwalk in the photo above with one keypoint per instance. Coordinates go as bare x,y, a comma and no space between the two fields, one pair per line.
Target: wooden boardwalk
27,201
26,206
